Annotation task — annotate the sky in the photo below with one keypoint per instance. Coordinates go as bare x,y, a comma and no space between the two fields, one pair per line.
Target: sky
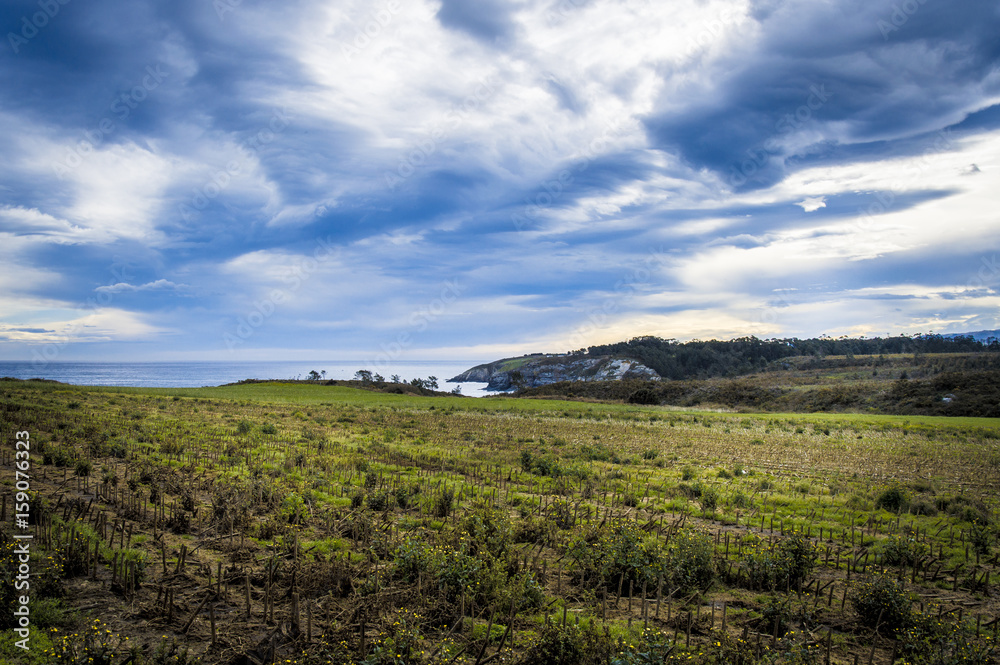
448,179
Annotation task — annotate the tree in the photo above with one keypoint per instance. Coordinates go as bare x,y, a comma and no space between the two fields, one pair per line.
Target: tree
314,375
378,378
419,383
363,375
431,382
395,379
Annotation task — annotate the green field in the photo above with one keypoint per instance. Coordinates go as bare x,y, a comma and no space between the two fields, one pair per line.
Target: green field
357,526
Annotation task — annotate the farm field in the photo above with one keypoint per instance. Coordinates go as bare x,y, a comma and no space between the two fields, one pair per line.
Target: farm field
310,524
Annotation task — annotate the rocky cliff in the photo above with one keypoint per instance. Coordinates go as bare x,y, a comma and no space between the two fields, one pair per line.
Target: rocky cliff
541,370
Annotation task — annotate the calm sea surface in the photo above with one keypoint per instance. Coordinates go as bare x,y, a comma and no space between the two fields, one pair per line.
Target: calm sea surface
197,374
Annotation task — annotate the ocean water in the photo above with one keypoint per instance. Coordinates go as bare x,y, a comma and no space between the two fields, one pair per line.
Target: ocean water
198,374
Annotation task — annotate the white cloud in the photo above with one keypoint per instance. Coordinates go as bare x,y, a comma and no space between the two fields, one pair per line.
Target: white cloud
124,287
812,203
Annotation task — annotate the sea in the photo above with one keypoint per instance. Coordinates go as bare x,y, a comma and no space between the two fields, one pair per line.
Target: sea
217,373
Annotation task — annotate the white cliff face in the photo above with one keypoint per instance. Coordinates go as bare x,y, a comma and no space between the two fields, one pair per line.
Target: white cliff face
542,370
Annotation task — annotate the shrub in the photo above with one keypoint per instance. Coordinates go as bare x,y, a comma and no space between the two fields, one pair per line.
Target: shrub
84,467
687,473
488,529
881,603
570,645
893,499
644,396
444,502
928,639
379,501
784,564
898,551
620,552
691,560
981,537
709,499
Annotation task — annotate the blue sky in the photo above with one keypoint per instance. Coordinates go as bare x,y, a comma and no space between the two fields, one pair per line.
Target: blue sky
411,179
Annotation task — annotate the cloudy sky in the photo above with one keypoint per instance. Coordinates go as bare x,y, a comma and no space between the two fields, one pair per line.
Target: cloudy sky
419,179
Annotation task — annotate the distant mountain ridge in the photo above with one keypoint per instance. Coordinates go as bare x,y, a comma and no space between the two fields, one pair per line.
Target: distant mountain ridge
984,336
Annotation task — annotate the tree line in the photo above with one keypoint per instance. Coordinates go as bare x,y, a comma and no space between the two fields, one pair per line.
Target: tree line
704,359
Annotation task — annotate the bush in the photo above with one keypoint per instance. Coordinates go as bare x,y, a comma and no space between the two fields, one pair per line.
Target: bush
881,603
782,565
893,499
444,502
379,501
488,529
84,467
618,553
709,499
930,640
572,645
897,551
644,396
691,561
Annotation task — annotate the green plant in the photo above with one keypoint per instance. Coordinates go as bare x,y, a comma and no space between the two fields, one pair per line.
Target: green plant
881,604
900,551
709,499
570,645
929,639
782,565
691,563
444,502
894,499
398,644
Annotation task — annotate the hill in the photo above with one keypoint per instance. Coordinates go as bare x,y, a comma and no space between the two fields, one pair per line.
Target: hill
540,370
930,384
